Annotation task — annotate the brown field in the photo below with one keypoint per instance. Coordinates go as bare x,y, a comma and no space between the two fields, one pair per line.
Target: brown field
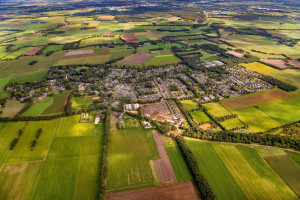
207,126
24,39
173,18
181,191
275,62
102,51
79,54
257,99
33,51
236,54
107,34
137,58
163,167
130,38
154,108
295,63
63,109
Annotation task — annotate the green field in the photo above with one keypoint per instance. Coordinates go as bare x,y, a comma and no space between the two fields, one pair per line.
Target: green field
129,165
260,68
232,123
36,76
238,172
257,120
291,76
53,48
57,104
39,107
200,116
216,109
284,111
11,108
81,102
189,104
179,165
4,82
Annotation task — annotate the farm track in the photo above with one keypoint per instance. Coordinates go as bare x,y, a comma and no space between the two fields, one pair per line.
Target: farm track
175,191
163,167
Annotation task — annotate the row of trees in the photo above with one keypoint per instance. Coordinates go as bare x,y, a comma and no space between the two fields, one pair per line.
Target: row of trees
199,179
282,85
37,135
15,141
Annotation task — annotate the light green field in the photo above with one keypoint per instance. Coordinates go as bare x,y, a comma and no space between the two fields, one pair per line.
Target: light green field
57,104
189,104
200,116
179,165
16,54
284,111
80,102
38,76
70,127
291,76
129,165
232,123
4,82
257,120
243,175
11,108
260,68
53,48
39,107
216,109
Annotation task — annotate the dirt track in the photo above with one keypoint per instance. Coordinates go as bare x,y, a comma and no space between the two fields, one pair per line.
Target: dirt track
163,167
180,191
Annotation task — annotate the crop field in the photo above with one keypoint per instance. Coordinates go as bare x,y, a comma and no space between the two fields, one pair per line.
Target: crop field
4,82
189,104
284,165
294,155
287,111
129,165
36,76
179,165
232,123
200,116
16,54
260,68
11,108
257,120
275,62
291,76
238,172
256,99
39,107
216,109
57,105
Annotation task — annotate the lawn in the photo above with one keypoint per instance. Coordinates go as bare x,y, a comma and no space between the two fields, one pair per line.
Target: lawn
216,109
189,104
129,159
260,68
70,127
200,116
291,76
57,105
285,111
179,165
39,107
257,120
232,123
11,108
242,174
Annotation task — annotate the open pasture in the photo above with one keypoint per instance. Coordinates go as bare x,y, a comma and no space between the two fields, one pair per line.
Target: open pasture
200,116
58,104
11,108
259,67
129,159
257,120
291,76
285,111
189,104
216,109
232,123
256,99
238,172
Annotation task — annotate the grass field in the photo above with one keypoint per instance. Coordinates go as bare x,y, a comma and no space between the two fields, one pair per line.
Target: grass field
80,102
4,82
38,76
285,111
179,165
295,156
189,104
53,48
11,108
216,109
57,104
129,159
257,120
200,116
238,172
291,76
232,123
39,107
260,68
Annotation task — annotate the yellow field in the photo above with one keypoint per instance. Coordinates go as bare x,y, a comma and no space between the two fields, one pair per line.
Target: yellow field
260,68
